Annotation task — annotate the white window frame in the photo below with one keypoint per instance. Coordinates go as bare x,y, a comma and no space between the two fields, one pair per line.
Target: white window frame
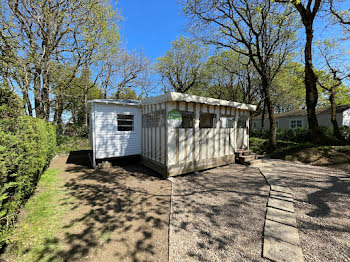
296,119
133,122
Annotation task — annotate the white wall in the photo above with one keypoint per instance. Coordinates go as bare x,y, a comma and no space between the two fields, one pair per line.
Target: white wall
346,118
109,142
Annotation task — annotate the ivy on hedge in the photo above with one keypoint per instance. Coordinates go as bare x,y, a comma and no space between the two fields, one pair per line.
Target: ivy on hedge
26,147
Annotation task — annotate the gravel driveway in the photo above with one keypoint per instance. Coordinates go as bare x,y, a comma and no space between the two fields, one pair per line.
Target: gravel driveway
322,207
122,213
218,215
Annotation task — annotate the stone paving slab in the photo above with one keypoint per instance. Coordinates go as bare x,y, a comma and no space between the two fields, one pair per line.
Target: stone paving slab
281,216
281,204
277,250
281,231
281,189
281,196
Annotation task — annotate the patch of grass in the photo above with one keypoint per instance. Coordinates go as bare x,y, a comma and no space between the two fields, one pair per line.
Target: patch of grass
40,222
304,152
283,148
67,144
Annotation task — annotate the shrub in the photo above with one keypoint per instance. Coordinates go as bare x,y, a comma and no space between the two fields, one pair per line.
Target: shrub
26,147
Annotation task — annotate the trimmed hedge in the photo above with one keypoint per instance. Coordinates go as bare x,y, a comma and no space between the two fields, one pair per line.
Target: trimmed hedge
26,147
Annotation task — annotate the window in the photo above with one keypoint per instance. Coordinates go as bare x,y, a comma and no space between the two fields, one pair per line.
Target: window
206,120
187,119
227,121
277,123
242,121
255,125
125,122
154,119
295,123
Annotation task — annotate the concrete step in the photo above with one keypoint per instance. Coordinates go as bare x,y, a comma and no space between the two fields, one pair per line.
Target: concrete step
248,157
242,152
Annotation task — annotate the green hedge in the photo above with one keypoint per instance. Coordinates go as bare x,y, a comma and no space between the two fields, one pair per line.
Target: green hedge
26,147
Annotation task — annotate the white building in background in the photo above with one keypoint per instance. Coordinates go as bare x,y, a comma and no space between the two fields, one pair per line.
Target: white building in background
298,118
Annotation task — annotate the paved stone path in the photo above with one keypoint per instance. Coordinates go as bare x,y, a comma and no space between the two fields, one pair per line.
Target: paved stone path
281,236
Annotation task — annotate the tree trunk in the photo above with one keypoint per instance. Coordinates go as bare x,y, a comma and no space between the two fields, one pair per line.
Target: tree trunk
270,110
37,94
45,95
85,107
336,130
263,118
311,88
26,100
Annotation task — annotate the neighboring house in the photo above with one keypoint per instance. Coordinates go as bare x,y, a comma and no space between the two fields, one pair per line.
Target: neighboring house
298,118
174,133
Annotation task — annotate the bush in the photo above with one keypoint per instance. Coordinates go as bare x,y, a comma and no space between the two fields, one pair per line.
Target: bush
26,147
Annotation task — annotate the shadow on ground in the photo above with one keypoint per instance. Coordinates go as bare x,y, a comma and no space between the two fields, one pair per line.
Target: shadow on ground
119,214
218,215
322,200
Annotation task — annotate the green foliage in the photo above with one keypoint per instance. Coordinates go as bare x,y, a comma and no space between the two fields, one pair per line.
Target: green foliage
180,67
67,144
10,104
41,222
26,146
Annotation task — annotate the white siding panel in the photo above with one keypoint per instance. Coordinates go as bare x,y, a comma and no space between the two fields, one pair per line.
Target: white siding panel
182,142
109,141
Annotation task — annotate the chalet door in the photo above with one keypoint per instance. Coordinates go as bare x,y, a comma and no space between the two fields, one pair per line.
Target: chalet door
240,137
242,132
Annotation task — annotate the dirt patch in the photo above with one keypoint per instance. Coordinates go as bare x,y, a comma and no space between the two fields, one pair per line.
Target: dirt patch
218,215
322,200
119,214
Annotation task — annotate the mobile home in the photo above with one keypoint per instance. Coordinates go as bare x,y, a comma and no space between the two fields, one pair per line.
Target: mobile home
174,133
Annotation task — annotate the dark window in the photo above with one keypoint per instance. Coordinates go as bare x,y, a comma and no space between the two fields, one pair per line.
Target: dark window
242,120
187,119
125,122
206,120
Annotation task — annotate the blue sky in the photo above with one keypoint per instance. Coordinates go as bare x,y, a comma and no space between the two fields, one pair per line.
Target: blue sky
151,25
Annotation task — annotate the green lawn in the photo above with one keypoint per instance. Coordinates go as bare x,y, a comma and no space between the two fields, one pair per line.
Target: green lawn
68,144
40,221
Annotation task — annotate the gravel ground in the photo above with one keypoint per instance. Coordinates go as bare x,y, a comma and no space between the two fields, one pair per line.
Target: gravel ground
322,207
218,215
119,214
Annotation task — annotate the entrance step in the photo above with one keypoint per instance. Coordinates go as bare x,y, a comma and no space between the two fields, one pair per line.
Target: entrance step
247,157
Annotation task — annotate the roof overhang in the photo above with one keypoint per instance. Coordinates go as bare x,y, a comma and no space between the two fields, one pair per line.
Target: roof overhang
174,96
123,102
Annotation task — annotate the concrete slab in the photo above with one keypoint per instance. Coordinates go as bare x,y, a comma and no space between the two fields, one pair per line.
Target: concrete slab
281,231
281,196
281,189
281,216
277,250
281,204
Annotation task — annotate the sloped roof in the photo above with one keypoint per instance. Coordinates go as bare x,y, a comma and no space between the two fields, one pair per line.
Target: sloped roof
303,112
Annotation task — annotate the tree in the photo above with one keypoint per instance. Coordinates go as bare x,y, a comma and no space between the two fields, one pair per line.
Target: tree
180,67
41,34
335,62
125,70
288,92
226,76
259,29
308,10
